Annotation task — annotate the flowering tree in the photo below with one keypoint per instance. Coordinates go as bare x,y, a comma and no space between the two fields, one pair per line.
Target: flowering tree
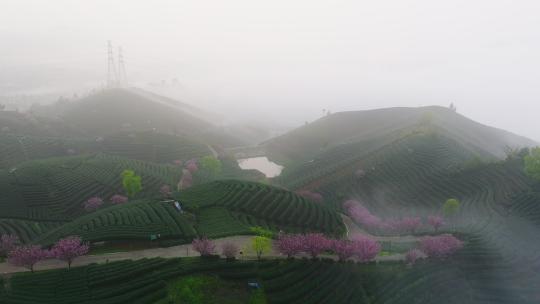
365,248
8,242
191,165
435,221
204,246
289,245
313,196
131,182
69,248
93,203
359,173
229,250
361,215
261,245
119,199
343,249
411,224
440,246
186,181
165,190
413,255
178,162
26,256
315,244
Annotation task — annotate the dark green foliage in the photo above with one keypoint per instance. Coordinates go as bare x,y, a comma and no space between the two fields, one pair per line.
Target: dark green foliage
54,189
130,221
256,204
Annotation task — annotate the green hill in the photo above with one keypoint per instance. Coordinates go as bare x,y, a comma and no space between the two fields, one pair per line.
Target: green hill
55,189
385,125
147,146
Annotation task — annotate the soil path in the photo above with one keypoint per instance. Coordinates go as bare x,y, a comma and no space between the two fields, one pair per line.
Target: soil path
185,250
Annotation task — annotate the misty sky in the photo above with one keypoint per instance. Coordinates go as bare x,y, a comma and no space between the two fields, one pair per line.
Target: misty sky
287,60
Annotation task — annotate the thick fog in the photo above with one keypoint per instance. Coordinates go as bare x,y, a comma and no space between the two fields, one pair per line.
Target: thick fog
285,61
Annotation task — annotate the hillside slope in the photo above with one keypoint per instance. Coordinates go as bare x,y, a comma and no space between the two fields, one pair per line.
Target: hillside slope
304,143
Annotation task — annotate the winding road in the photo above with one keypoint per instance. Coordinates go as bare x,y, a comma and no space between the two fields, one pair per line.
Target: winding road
243,242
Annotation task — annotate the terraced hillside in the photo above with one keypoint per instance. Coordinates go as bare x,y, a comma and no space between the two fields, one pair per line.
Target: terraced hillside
55,189
285,281
147,146
132,221
307,142
255,204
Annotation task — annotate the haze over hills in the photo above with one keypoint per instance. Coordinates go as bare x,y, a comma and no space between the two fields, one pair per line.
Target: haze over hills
306,142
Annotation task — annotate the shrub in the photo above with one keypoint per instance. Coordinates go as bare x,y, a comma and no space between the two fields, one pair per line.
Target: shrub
315,244
289,245
261,245
119,199
440,246
435,221
93,203
229,250
365,248
413,255
131,182
165,191
27,256
8,242
204,246
69,248
344,249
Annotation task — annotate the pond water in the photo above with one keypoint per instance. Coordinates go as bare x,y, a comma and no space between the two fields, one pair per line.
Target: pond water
262,164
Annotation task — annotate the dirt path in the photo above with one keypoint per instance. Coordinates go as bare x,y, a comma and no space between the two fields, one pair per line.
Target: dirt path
185,250
353,229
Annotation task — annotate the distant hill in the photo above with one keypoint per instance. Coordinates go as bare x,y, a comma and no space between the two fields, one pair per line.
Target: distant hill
147,146
385,125
113,111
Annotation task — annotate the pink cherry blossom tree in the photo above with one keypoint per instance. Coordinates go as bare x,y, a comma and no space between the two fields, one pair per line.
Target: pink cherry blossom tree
435,221
290,244
203,246
69,248
186,181
8,242
93,203
178,162
413,255
191,165
229,250
344,249
365,248
165,191
119,199
315,244
26,256
411,224
440,246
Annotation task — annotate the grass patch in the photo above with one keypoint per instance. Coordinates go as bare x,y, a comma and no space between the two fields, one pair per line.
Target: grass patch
208,289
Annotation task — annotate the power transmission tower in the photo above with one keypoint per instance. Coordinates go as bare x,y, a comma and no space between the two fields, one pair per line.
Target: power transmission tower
112,76
122,76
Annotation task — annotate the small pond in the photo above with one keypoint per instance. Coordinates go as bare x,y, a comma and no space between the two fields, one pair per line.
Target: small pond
262,164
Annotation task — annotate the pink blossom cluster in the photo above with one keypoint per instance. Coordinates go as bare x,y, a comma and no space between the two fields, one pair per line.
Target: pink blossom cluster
440,246
229,250
192,166
310,195
8,242
204,246
178,162
413,255
186,181
93,203
362,216
119,199
66,249
69,248
165,191
362,247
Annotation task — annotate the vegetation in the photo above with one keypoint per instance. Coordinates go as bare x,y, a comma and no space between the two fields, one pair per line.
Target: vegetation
131,183
532,163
